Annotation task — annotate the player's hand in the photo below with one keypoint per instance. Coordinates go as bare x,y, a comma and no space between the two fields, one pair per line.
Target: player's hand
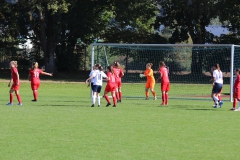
50,74
88,84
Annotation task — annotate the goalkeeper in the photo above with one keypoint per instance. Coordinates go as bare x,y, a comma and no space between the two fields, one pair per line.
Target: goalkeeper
150,81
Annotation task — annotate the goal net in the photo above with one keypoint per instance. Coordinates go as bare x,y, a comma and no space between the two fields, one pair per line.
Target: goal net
189,67
235,63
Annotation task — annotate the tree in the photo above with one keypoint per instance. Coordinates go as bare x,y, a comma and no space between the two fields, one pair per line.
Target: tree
55,22
188,18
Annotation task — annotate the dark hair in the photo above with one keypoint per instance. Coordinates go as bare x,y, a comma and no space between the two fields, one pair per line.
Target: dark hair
99,67
217,66
162,63
110,68
238,70
34,65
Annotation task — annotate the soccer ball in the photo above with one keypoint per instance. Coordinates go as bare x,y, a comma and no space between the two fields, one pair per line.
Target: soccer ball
141,75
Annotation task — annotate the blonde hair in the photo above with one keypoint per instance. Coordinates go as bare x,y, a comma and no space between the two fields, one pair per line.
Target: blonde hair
34,65
14,62
149,64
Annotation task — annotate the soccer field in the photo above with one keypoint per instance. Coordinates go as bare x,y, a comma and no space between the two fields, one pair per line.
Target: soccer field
62,125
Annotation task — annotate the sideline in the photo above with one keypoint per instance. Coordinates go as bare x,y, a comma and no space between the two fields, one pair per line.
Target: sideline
44,81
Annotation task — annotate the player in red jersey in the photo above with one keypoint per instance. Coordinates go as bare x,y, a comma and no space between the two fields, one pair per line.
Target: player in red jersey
119,74
236,90
16,83
35,80
111,86
165,83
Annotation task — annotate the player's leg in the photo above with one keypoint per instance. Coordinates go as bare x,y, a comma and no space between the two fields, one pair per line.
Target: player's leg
166,93
10,97
35,87
114,98
120,93
152,90
163,89
107,89
117,91
95,87
147,86
18,97
215,91
98,99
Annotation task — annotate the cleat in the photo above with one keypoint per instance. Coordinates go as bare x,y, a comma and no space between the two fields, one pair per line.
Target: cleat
9,104
237,110
120,101
155,98
92,105
34,100
162,104
98,105
215,106
114,106
220,104
108,104
146,98
19,104
232,109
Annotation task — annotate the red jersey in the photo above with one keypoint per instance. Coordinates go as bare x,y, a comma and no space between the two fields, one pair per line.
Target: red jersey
237,82
118,73
112,78
14,73
164,74
34,73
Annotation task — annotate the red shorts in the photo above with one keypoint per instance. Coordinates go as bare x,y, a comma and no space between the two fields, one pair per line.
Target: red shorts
118,84
165,86
15,87
236,93
35,86
110,87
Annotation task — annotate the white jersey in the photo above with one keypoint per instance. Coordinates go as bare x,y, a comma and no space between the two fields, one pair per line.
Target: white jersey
91,73
218,76
98,77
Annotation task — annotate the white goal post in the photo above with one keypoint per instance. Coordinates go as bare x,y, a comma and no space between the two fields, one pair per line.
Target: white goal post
189,66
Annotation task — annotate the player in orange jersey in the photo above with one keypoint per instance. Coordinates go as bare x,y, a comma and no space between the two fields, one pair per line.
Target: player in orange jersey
150,81
165,83
16,83
119,74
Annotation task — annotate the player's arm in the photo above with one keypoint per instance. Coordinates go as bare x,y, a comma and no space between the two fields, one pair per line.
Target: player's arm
10,82
29,77
17,83
48,74
91,77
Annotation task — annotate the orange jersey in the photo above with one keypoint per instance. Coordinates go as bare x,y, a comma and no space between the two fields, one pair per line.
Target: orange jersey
149,74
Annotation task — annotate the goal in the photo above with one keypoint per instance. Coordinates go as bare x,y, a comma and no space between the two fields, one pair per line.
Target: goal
189,66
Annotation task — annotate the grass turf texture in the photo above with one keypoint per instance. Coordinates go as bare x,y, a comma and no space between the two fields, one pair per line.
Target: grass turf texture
62,125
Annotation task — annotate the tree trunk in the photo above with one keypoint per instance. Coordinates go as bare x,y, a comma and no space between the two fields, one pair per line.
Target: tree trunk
49,58
197,56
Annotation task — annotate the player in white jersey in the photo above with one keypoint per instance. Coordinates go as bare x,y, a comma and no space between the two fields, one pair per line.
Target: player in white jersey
98,76
92,80
217,85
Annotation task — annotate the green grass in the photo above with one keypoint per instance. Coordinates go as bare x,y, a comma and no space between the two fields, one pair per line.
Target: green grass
62,125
